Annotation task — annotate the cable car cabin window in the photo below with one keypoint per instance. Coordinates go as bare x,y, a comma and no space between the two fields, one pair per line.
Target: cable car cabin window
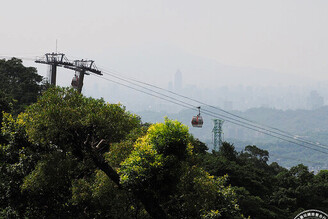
197,121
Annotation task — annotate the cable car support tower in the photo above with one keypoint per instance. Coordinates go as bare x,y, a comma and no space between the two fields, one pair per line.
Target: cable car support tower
54,60
81,68
217,134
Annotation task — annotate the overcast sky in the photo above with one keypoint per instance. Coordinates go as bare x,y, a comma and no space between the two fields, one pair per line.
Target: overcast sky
283,36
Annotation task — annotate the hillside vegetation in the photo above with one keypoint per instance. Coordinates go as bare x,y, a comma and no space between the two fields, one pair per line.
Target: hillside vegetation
307,124
68,156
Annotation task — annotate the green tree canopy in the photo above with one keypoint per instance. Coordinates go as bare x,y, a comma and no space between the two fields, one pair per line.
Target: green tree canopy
19,83
69,149
161,164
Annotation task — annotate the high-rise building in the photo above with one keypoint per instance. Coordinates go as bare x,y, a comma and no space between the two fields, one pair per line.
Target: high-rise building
314,100
178,81
170,86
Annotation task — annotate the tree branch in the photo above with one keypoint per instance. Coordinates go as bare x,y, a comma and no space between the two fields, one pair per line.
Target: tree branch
148,199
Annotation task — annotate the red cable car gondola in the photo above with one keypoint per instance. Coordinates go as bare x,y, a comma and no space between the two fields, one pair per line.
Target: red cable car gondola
197,121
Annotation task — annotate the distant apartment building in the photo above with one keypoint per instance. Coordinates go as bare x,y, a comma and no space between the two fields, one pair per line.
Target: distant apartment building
178,81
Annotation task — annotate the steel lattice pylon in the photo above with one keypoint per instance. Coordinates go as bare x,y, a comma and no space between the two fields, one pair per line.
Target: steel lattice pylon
217,133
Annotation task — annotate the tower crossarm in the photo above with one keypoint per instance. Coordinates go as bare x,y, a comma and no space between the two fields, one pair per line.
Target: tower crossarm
81,67
84,66
58,59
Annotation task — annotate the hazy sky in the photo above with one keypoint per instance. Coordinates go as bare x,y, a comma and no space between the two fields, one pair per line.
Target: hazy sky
285,36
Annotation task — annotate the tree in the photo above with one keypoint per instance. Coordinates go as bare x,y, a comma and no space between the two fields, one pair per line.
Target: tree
257,153
18,157
228,151
5,106
154,166
320,190
161,165
19,83
71,124
250,175
55,142
72,155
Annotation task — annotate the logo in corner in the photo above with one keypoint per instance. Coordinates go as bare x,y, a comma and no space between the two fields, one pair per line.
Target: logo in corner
312,214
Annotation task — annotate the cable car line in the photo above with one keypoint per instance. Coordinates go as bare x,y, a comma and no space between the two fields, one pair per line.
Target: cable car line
285,133
226,117
270,131
275,136
293,136
295,139
239,123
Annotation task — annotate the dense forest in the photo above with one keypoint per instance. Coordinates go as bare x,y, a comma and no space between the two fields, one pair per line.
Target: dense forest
63,155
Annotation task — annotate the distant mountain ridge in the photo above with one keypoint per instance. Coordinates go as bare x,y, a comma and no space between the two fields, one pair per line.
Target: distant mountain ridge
298,122
308,124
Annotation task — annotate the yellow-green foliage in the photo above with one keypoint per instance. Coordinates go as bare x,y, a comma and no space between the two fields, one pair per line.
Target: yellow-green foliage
13,129
169,138
158,164
12,126
213,214
120,151
143,160
156,154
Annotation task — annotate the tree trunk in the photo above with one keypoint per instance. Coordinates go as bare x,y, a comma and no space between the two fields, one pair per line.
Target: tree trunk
146,198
